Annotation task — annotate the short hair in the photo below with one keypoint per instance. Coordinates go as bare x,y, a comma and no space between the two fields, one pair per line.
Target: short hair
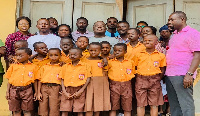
36,43
70,30
112,18
23,17
51,18
137,30
55,49
95,43
154,30
80,50
106,42
23,42
124,22
122,44
143,22
82,18
27,50
66,38
83,36
181,14
43,19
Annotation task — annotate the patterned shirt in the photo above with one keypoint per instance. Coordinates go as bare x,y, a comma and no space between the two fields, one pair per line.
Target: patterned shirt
10,41
77,34
120,40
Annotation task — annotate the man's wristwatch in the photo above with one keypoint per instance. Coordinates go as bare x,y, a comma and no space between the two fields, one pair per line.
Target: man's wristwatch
189,73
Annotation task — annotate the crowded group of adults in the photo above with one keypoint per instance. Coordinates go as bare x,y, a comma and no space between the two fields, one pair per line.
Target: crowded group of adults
178,41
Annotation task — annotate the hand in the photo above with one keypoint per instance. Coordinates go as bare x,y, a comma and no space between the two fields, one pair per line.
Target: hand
7,95
3,50
77,94
104,62
67,95
39,96
188,81
35,97
11,59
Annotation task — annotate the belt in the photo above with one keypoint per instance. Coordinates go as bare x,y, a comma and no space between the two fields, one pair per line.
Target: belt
50,84
21,88
150,76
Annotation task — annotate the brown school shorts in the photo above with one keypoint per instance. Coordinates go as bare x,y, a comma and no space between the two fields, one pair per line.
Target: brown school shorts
148,90
50,104
121,92
75,104
21,98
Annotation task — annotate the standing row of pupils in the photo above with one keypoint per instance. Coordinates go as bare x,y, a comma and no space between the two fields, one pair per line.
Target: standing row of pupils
84,83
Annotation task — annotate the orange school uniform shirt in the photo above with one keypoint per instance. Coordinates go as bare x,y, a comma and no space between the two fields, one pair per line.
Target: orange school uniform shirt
85,54
21,75
75,75
64,57
131,51
96,67
42,62
149,64
121,71
50,73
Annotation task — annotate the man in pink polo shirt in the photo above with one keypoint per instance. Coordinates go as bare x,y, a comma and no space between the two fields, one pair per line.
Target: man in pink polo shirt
183,58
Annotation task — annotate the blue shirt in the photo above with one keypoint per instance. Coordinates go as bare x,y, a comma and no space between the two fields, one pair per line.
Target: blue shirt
109,34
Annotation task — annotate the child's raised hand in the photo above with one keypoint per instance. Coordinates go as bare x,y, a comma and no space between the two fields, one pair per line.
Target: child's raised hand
39,96
7,95
67,95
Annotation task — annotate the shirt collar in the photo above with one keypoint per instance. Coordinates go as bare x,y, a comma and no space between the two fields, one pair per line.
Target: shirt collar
144,51
185,29
114,59
128,44
54,64
79,63
24,64
63,54
84,33
42,59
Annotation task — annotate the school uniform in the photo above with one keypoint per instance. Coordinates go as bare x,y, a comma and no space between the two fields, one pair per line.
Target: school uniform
74,78
21,78
49,77
42,62
85,54
120,75
64,57
147,87
98,93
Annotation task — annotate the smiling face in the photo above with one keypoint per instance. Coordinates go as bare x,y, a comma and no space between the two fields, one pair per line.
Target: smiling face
112,23
140,26
146,31
122,28
150,41
23,25
66,45
94,50
99,27
82,43
43,25
63,31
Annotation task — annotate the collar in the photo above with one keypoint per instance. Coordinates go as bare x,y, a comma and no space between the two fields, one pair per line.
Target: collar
36,60
63,54
114,59
24,64
138,44
144,51
59,64
80,33
185,29
79,63
19,33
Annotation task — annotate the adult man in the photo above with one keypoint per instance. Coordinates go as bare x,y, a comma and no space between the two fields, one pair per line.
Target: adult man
99,29
122,28
183,57
81,24
112,26
52,41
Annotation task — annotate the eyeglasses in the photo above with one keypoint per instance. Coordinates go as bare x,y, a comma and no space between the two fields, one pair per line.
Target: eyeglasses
141,26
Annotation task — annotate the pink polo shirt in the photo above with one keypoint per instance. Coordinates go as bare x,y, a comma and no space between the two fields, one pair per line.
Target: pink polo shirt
180,53
77,34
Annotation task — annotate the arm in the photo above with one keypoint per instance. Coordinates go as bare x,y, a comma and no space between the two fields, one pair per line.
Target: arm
35,88
8,91
78,93
188,80
67,95
39,95
162,72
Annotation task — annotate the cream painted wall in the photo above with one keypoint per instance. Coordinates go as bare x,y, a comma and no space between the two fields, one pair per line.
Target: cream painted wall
7,26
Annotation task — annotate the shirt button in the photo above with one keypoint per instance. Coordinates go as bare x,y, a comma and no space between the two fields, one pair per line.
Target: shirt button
21,81
122,75
121,69
22,74
23,67
147,69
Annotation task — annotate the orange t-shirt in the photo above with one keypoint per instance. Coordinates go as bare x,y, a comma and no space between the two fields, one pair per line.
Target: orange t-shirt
42,62
50,73
75,75
149,64
64,57
21,75
121,71
96,67
131,51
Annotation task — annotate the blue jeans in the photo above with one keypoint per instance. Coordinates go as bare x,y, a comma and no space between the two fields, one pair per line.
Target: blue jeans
180,99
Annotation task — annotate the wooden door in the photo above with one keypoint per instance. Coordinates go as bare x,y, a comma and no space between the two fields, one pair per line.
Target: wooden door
154,12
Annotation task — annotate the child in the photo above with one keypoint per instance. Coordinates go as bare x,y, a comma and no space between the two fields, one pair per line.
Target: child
65,44
18,44
74,78
105,50
21,76
120,73
82,43
98,93
134,46
49,85
150,69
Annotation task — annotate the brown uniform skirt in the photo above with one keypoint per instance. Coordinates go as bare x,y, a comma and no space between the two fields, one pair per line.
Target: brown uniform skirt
98,95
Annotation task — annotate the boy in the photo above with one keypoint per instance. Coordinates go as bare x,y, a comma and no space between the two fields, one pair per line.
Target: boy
18,44
74,78
105,50
120,72
65,44
134,46
82,43
49,85
19,90
150,69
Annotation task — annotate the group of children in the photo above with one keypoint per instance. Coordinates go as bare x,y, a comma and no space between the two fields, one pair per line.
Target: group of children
86,78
